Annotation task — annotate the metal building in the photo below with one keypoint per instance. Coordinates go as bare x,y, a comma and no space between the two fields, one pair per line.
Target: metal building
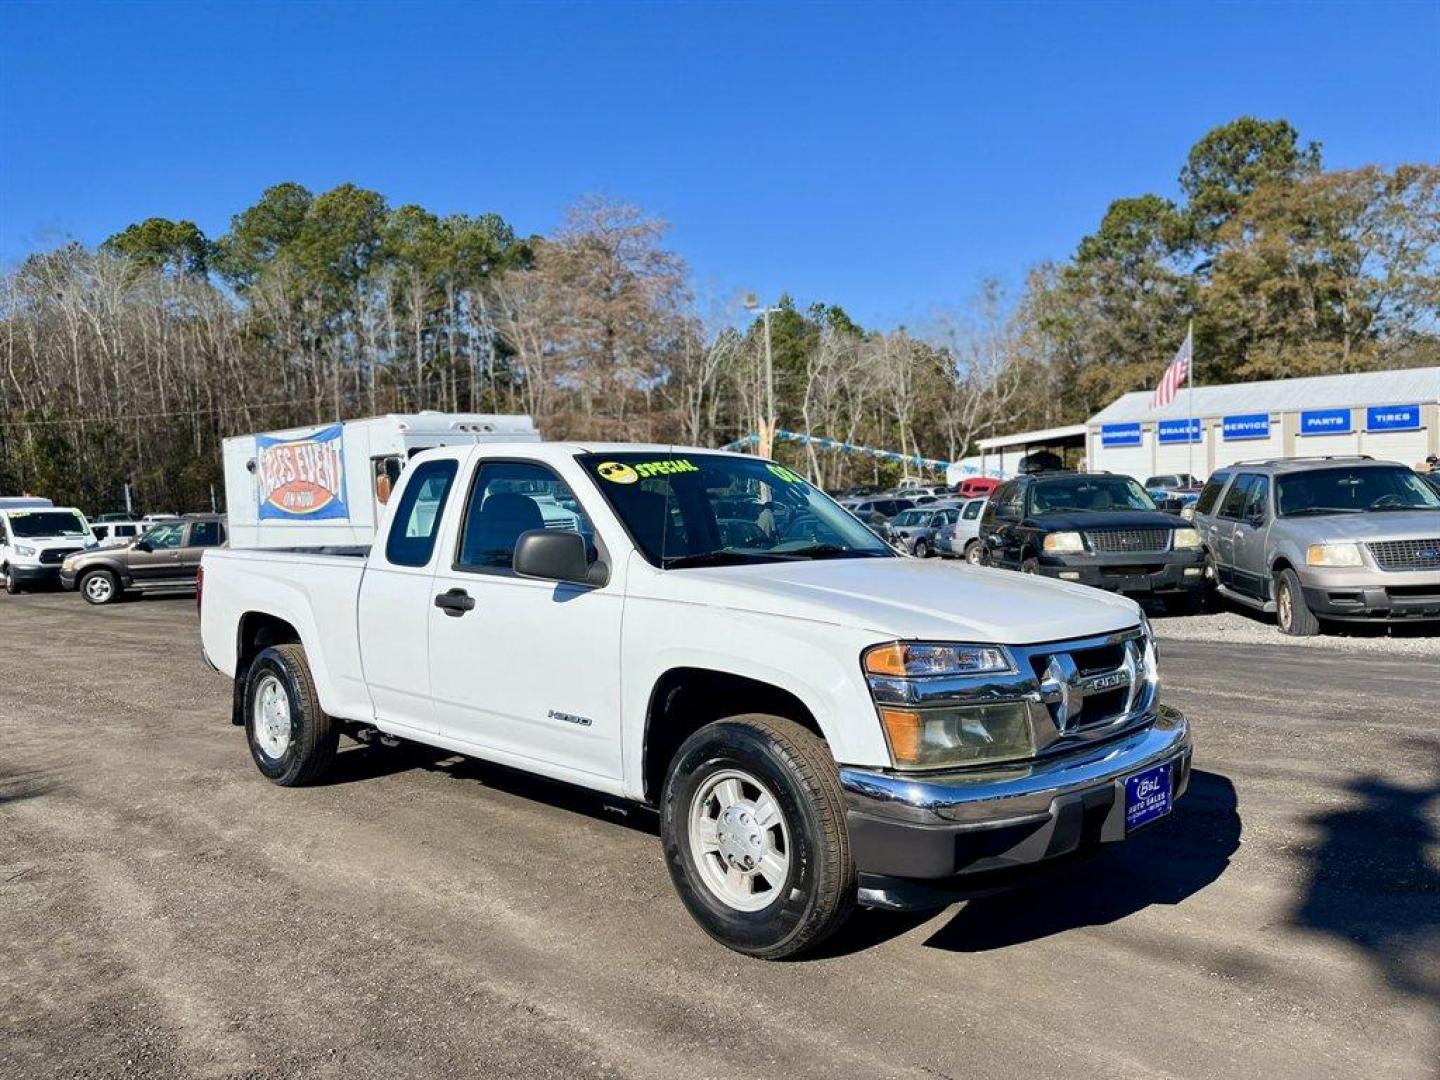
1387,414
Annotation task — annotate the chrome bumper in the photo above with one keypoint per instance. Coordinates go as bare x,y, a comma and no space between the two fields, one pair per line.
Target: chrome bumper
974,821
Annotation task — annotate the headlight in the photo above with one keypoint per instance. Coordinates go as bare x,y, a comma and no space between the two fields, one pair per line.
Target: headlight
1186,539
27,552
903,659
69,563
1333,555
1064,543
928,738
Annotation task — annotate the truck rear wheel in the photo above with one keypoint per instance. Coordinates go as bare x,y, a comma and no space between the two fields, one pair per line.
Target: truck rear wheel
753,822
291,738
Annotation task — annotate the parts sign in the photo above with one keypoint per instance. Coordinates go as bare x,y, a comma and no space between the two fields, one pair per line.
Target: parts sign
301,478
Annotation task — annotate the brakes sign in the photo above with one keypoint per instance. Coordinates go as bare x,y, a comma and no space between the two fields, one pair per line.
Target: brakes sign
303,477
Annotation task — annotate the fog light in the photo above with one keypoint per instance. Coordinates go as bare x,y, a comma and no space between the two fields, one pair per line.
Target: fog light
1194,571
1070,575
968,735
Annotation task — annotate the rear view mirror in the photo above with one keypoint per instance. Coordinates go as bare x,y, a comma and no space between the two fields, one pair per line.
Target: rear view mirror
555,555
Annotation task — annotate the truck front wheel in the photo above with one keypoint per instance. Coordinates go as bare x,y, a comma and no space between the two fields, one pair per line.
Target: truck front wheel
753,821
291,738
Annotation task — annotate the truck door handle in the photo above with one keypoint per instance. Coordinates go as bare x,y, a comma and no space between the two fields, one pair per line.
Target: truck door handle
455,602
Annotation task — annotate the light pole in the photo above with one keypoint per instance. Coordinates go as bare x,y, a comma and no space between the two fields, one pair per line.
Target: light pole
766,423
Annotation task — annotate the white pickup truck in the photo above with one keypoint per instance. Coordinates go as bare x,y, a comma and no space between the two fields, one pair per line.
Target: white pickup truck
818,721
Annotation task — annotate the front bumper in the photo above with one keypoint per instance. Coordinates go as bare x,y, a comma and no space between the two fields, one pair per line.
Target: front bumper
1360,594
1137,574
942,829
35,575
69,579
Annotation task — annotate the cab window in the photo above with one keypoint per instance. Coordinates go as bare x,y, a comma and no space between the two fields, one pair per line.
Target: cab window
165,537
1257,498
1211,494
1234,503
206,534
510,498
417,517
972,509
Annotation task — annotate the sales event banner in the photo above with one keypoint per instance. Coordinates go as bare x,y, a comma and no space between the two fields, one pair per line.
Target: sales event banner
1119,434
1326,422
1392,418
1245,426
1178,431
301,478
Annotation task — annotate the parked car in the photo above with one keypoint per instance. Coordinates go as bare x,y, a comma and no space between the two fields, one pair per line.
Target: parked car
889,505
110,533
119,515
1314,539
818,723
916,531
1169,482
164,559
961,538
34,540
973,486
1100,529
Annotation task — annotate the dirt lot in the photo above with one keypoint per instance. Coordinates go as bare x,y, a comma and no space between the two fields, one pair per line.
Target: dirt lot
166,912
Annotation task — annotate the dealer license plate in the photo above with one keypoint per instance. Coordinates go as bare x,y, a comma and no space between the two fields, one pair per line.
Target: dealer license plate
1147,796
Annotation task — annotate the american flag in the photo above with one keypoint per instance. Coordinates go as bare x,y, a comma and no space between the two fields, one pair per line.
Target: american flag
1175,375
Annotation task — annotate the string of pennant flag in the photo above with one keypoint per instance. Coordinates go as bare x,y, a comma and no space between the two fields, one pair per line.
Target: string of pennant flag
822,443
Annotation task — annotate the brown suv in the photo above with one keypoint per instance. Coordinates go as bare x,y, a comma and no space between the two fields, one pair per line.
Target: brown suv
166,557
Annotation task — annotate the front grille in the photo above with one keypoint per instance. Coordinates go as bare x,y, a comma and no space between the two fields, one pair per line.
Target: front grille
57,555
1406,554
1123,541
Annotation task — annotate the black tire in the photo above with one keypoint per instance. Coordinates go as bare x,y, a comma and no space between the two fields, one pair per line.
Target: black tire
12,583
1292,614
313,736
819,892
1187,603
922,549
975,553
103,583
1030,565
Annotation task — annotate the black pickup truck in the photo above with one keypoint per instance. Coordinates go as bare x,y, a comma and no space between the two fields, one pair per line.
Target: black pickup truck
1098,529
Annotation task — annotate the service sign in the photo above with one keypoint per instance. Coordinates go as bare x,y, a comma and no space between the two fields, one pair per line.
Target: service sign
302,478
1392,418
1245,426
1119,434
1181,431
1325,422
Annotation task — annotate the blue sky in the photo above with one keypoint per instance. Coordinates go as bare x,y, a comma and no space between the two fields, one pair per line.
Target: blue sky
885,157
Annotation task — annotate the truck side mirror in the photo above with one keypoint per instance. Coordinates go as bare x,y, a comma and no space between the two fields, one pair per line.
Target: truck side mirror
143,545
557,555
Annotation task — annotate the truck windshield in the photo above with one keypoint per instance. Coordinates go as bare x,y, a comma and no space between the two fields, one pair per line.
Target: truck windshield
38,524
715,509
1073,494
1353,491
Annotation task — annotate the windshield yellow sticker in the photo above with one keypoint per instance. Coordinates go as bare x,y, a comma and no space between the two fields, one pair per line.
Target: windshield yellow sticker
616,473
785,474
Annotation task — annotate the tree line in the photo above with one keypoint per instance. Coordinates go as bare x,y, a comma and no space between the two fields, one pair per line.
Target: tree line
129,362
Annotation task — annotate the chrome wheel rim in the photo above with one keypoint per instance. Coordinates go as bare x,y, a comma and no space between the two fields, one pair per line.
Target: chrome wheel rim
739,840
271,717
98,588
1285,605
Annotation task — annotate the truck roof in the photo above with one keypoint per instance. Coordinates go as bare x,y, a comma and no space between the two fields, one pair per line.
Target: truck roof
554,450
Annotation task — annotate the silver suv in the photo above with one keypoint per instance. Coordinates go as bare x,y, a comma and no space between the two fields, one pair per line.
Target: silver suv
1346,538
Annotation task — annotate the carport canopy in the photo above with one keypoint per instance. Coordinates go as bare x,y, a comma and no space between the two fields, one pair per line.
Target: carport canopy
1002,453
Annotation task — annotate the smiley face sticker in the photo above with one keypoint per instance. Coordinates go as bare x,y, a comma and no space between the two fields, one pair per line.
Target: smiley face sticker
617,472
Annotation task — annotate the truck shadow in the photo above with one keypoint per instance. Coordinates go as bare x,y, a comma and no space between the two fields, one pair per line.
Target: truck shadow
1165,864
17,785
1373,885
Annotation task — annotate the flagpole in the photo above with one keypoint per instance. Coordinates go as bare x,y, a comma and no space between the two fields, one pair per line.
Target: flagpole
1190,403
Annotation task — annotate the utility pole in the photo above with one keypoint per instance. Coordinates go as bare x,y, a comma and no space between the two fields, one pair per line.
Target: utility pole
766,424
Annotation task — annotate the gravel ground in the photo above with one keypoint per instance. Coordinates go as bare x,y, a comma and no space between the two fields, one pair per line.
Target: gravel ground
165,912
1243,627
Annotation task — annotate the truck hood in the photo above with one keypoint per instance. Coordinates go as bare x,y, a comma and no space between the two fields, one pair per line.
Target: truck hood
1380,525
1081,521
901,598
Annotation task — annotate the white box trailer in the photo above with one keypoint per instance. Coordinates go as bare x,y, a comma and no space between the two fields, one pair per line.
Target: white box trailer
325,486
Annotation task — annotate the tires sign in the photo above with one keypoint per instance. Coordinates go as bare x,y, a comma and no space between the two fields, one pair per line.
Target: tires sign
1392,418
301,478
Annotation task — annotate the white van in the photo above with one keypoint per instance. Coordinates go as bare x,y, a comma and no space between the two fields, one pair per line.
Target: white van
34,541
325,486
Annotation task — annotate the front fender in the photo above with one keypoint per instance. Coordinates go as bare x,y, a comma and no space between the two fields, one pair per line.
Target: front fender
818,663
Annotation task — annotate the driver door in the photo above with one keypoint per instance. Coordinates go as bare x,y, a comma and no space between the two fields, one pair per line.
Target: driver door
532,669
161,562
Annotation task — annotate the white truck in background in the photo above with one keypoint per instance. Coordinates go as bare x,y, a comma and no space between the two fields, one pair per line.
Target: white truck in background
818,721
326,485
